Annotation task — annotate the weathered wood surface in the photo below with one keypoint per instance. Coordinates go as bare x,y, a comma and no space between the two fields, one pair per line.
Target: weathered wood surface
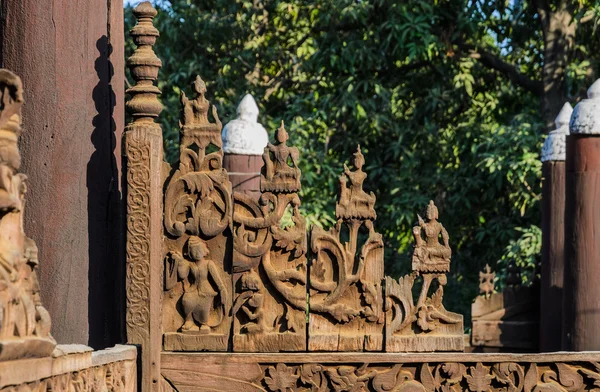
346,295
73,368
581,312
197,222
70,56
379,372
426,325
24,321
269,258
244,173
506,320
553,241
144,159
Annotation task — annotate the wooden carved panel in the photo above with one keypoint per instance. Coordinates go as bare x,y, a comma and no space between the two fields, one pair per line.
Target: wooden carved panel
197,220
269,259
382,372
24,322
346,298
426,325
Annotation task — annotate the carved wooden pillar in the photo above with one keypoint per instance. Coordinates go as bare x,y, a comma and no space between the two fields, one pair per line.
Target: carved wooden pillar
553,231
581,310
244,140
144,158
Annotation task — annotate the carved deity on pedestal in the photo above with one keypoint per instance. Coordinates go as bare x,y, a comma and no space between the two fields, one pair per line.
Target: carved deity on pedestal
430,255
353,200
281,172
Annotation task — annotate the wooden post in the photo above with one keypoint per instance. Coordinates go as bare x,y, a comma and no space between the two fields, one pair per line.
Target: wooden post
70,57
244,141
553,232
144,158
581,306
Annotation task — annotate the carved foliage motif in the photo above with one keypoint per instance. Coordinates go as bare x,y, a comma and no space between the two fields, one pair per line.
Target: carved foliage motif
346,304
426,325
24,322
116,376
269,259
197,219
422,376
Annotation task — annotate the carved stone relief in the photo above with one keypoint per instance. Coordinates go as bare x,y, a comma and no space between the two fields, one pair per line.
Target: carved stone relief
197,220
346,297
24,322
269,259
426,325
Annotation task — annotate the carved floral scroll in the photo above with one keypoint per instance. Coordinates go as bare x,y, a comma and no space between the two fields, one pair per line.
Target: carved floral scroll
24,322
384,372
426,325
197,220
269,259
346,298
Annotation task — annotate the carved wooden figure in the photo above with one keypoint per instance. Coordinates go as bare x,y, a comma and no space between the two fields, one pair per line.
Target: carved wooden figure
269,259
197,219
426,325
346,298
24,322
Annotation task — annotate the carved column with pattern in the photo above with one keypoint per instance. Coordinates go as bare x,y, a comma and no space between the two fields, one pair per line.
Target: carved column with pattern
144,158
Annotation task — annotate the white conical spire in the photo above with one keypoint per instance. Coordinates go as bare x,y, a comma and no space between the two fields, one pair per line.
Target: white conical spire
244,135
586,116
554,148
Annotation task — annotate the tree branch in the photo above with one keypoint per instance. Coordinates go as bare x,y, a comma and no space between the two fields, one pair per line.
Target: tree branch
510,71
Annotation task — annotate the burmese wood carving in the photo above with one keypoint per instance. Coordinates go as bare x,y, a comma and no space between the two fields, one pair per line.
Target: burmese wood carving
382,372
24,322
508,319
426,325
143,153
197,219
269,258
346,304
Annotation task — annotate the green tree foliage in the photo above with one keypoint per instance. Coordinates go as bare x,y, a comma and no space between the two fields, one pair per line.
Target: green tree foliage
447,99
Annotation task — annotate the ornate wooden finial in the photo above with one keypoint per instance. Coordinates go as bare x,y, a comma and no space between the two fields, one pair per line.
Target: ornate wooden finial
144,65
486,281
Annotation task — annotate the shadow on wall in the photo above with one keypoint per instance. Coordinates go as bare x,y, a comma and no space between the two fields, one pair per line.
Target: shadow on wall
104,206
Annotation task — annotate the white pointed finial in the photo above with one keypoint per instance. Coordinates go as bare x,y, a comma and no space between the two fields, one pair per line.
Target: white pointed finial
244,135
554,148
586,116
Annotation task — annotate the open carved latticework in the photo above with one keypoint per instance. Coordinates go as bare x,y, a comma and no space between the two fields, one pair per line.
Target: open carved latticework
269,259
24,322
346,297
197,220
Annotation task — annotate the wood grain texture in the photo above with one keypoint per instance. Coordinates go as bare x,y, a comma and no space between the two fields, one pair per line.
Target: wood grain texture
74,120
553,242
244,173
346,272
379,372
269,258
581,311
197,235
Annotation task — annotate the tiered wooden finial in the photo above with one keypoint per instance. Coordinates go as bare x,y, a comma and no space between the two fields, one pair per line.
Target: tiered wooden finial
144,65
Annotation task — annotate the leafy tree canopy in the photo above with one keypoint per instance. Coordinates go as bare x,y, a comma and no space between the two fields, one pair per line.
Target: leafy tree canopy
448,99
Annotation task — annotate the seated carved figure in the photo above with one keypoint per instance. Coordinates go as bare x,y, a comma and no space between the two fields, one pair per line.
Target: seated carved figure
354,201
281,172
198,299
429,254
